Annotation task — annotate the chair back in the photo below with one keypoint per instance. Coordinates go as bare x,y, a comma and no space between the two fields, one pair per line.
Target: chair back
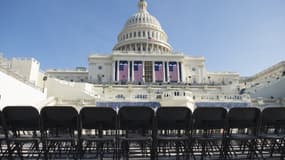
25,118
101,118
58,118
2,125
173,118
245,119
273,119
209,118
136,118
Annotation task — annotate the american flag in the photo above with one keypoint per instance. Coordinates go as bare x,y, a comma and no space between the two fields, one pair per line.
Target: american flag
158,68
173,76
150,39
123,71
138,71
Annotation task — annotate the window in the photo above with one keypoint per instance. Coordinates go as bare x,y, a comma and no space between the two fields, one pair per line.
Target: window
193,69
120,96
131,35
143,33
100,67
139,34
135,34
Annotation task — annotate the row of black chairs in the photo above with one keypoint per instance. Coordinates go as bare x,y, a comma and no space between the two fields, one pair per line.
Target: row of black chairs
208,132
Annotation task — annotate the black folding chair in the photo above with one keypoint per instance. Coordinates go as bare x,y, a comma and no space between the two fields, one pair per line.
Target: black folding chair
60,131
23,131
98,131
3,135
208,131
136,131
272,132
172,131
242,129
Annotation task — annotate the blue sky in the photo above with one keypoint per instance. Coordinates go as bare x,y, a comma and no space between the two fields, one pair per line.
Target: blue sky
244,36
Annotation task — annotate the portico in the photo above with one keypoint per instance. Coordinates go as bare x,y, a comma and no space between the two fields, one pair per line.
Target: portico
135,67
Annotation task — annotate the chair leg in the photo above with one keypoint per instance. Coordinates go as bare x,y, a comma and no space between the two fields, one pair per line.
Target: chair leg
9,150
153,150
101,150
282,149
203,150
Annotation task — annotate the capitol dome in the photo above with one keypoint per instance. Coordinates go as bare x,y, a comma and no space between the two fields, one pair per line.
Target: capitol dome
143,33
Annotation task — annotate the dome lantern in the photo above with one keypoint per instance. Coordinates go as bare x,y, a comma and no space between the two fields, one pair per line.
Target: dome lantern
142,6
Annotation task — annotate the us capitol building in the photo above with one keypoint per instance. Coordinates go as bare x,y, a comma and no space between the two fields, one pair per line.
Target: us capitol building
143,68
143,54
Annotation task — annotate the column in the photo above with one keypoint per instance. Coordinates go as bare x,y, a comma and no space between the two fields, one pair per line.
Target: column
146,46
200,76
143,71
178,71
114,70
181,71
133,62
118,71
129,69
153,71
163,71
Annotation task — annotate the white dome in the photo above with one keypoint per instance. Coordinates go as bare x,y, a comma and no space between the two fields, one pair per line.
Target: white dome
143,32
141,18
